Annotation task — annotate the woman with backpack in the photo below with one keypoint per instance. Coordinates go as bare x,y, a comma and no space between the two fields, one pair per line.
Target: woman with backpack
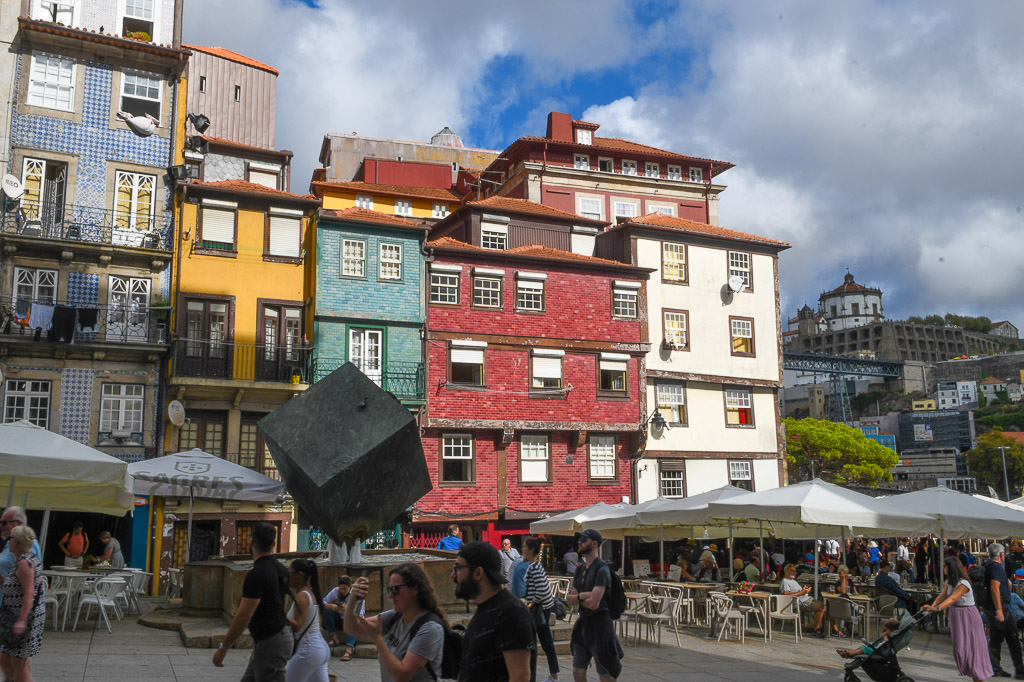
970,648
410,636
309,659
541,602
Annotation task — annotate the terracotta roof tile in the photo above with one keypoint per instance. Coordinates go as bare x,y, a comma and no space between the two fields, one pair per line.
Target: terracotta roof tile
1014,435
233,56
91,35
531,251
396,190
988,381
692,226
526,206
365,215
249,187
616,144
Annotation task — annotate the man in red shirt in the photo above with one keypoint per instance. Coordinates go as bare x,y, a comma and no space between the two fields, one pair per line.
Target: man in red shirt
75,545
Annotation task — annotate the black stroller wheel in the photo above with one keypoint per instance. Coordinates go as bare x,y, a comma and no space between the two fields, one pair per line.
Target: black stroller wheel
850,676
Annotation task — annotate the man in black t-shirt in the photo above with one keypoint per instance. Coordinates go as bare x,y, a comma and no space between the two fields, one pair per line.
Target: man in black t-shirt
262,611
500,642
593,636
1001,624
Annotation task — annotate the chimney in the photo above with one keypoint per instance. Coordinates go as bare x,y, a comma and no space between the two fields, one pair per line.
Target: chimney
559,127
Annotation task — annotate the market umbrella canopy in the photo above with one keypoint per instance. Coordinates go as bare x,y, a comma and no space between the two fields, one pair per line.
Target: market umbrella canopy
686,511
195,473
577,520
59,472
960,515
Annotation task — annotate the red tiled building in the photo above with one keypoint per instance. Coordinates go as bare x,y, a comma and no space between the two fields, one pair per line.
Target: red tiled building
534,369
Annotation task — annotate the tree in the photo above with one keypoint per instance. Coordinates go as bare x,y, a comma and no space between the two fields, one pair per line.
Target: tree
836,453
985,462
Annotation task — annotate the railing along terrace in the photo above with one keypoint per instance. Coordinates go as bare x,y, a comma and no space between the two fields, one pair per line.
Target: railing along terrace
88,224
77,323
216,359
404,379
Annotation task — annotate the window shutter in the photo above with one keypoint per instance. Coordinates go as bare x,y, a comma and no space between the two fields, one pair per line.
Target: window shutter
547,368
468,356
618,365
265,178
672,465
284,236
530,285
218,225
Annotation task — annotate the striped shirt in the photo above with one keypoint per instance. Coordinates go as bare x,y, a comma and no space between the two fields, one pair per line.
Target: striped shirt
537,589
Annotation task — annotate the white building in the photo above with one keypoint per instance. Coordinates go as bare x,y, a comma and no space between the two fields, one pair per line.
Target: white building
947,395
851,305
714,369
990,386
968,391
1005,329
1013,389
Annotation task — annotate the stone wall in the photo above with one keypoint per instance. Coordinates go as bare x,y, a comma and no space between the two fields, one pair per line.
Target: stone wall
1003,366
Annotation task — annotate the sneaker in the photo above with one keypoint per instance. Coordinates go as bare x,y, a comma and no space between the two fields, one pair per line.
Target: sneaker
550,679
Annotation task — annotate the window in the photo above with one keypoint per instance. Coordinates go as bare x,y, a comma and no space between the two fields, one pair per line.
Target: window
739,409
57,11
742,330
601,453
672,482
265,176
440,211
364,201
671,401
202,84
605,165
138,17
282,338
624,299
740,475
487,292
252,451
673,262
135,202
456,458
739,264
35,284
581,161
353,258
127,316
285,233
625,209
676,329
675,172
141,93
663,210
390,261
444,287
28,400
534,459
612,370
121,408
584,136
467,364
403,207
45,188
52,82
589,207
855,308
629,167
204,429
365,349
238,93
217,225
546,369
652,170
494,237
530,292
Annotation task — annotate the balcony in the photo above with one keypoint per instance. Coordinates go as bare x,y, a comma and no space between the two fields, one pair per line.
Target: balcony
205,359
115,324
406,380
75,224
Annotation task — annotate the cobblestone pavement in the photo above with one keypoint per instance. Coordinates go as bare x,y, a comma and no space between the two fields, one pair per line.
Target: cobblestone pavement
137,653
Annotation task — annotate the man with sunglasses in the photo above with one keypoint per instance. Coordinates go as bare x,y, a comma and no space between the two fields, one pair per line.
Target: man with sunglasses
11,519
500,643
593,636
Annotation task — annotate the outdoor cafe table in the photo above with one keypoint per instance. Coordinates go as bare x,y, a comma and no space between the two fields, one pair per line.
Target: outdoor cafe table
636,601
760,601
864,601
76,579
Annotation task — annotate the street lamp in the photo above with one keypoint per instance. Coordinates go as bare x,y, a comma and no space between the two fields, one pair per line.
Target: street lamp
1006,480
656,419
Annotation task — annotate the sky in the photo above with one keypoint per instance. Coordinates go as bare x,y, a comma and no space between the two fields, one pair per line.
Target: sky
884,137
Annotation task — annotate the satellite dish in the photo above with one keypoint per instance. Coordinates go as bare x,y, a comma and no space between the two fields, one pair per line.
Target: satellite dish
176,412
736,284
12,187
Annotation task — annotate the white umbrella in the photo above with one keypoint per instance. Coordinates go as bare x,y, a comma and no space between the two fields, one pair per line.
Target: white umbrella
576,520
199,474
959,515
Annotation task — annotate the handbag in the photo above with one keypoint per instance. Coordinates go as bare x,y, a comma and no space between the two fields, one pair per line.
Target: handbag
538,614
559,609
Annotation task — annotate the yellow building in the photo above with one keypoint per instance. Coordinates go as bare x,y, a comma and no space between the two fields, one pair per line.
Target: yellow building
927,404
416,203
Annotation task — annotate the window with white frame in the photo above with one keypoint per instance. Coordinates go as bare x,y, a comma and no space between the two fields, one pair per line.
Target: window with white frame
663,210
467,364
671,399
625,209
141,94
52,82
546,369
444,287
675,172
27,399
285,238
494,237
605,165
612,373
673,262
35,284
739,407
353,258
629,167
135,201
57,11
584,136
457,458
742,330
676,329
581,161
138,17
487,291
529,293
652,170
624,299
534,459
739,264
601,453
121,408
403,207
217,225
390,261
696,174
364,201
740,475
440,211
589,207
672,482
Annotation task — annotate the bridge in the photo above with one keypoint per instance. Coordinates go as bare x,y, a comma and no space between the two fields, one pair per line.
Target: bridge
838,369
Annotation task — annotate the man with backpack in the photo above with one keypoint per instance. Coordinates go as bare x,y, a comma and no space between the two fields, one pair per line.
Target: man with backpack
996,604
597,591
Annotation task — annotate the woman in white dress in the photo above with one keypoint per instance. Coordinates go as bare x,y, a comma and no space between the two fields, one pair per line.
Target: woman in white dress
309,662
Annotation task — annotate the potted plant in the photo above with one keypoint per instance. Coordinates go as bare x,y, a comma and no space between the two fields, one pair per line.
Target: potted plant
88,560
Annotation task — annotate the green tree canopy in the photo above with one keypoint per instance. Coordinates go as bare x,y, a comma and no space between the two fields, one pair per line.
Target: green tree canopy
836,453
986,462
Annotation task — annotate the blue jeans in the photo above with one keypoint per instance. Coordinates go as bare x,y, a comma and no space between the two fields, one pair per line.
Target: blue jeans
334,621
547,642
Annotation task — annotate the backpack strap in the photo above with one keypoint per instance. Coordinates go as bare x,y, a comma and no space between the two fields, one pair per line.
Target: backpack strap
425,617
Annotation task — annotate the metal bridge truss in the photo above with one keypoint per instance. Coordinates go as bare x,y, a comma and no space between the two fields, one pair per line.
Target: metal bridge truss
838,369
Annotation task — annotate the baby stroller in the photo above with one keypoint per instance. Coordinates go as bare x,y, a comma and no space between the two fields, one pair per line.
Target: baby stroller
881,664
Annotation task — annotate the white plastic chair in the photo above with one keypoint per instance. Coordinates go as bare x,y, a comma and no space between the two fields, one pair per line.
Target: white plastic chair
784,607
660,611
726,614
56,593
174,582
105,593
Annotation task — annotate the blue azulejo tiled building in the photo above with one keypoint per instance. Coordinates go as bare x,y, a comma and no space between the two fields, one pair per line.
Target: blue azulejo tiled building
85,250
369,304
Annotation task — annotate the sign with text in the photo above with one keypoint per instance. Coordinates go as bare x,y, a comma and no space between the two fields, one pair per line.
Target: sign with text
922,432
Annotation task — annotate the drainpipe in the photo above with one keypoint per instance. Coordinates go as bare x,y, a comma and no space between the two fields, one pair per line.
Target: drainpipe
429,258
543,170
707,194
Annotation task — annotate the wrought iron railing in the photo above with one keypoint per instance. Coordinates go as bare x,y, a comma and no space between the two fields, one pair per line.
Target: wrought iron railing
406,380
241,361
76,223
87,323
